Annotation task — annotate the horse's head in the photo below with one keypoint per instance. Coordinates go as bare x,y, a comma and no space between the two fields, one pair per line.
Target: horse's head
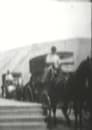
90,63
88,67
51,74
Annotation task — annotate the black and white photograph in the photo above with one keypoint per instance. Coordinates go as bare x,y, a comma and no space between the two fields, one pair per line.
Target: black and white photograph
45,65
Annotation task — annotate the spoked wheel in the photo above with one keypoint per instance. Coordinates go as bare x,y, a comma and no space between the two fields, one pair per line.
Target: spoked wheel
27,93
10,92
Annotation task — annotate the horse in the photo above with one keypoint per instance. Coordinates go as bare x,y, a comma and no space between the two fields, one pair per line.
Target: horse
56,93
75,90
89,93
80,89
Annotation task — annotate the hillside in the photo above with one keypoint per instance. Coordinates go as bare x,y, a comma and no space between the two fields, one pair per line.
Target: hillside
18,59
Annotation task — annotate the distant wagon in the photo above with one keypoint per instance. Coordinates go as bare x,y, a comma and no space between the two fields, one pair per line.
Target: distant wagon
12,89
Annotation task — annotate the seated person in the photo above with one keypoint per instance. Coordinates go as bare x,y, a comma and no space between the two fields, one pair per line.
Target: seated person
9,77
53,58
53,62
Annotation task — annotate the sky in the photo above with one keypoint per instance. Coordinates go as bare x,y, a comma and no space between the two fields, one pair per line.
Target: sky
25,22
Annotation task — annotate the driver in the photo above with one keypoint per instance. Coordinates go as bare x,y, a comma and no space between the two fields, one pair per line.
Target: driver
52,61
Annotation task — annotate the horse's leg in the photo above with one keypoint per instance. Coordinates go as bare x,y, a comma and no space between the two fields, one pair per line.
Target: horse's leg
54,113
64,110
49,118
49,114
75,107
49,121
90,117
80,115
53,107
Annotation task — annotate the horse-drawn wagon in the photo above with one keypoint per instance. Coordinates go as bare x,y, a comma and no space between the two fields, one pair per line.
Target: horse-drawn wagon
37,66
12,85
71,91
45,92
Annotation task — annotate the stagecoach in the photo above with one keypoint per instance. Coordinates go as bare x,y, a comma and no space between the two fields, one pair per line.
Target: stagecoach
12,89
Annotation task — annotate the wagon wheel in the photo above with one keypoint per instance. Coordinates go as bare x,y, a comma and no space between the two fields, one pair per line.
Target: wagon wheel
19,92
10,93
27,93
